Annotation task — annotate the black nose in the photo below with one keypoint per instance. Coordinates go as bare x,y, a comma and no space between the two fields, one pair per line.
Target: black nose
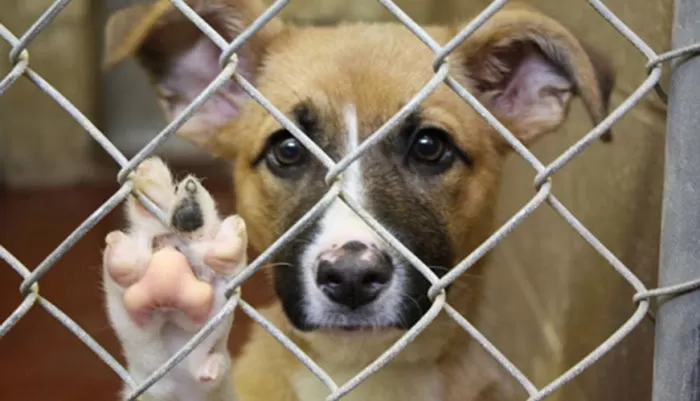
356,276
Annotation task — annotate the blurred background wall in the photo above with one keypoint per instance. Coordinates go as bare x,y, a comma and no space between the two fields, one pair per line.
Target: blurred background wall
550,299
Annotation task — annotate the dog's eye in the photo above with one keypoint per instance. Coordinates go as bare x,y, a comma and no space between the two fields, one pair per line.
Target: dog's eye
284,152
428,146
288,151
430,150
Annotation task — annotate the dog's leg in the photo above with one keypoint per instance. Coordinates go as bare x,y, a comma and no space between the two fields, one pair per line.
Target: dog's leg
157,298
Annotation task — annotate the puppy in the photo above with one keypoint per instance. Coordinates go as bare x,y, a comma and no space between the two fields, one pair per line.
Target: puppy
342,294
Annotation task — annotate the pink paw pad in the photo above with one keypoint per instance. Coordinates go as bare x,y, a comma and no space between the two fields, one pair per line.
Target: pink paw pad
168,282
227,251
121,260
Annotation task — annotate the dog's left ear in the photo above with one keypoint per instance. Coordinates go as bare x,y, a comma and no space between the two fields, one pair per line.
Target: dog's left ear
525,67
181,61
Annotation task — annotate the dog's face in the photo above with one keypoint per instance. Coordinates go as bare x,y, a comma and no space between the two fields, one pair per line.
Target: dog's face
431,182
428,182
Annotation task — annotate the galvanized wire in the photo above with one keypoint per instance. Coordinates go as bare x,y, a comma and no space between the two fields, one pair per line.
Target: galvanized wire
29,288
290,345
684,53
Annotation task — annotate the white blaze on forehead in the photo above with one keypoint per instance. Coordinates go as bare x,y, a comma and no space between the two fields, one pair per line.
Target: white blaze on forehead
352,176
340,224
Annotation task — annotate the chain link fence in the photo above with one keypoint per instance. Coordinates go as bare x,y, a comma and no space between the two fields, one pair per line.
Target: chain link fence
542,184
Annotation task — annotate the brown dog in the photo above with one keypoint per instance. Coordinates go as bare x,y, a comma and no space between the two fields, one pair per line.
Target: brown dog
344,296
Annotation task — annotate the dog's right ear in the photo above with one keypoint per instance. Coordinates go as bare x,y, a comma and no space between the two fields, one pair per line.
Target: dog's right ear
181,61
526,67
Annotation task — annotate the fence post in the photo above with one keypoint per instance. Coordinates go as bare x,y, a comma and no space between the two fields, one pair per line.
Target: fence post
677,353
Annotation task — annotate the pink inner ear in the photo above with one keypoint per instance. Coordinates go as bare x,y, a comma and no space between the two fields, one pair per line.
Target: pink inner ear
190,73
536,91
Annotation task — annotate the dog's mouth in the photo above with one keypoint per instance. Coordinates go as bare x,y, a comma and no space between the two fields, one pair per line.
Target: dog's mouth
360,332
357,329
354,328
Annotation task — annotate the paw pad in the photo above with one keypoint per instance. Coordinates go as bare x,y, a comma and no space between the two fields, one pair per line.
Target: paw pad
169,283
121,259
227,251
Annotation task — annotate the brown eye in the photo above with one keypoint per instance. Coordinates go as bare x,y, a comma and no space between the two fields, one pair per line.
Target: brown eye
288,151
430,151
428,147
285,155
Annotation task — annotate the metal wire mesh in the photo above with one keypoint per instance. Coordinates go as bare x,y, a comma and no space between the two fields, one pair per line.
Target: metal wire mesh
29,288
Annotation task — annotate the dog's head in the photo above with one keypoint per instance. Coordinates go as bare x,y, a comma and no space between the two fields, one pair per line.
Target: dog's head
431,183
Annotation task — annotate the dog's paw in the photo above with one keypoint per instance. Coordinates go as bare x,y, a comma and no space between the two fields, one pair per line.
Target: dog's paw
166,279
174,266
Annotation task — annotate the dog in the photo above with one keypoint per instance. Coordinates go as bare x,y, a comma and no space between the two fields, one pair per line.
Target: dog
343,295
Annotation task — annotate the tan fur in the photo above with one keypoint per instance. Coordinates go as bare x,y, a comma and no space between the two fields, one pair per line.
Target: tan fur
442,364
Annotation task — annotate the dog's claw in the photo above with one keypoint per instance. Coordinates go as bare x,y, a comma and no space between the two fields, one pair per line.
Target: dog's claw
194,212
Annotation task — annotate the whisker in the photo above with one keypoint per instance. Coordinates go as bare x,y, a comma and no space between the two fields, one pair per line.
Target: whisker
277,264
447,269
301,241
